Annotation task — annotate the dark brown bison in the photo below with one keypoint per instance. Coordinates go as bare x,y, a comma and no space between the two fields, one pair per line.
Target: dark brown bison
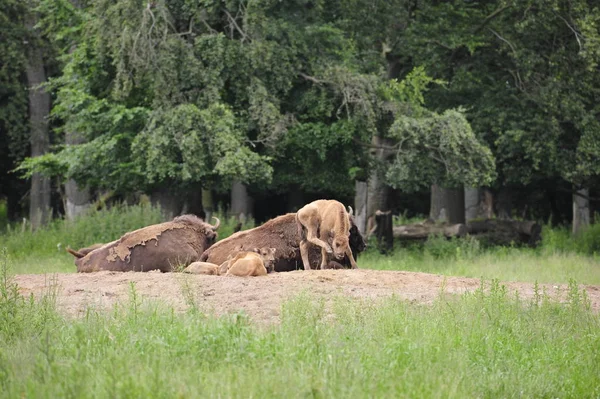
161,247
282,234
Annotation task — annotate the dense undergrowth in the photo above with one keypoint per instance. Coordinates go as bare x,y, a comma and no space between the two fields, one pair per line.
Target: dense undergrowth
488,343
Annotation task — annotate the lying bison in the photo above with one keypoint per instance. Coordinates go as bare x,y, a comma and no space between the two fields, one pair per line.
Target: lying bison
161,247
282,234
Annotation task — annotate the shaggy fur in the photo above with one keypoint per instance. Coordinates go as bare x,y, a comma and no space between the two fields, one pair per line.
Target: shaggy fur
202,268
280,233
161,247
326,224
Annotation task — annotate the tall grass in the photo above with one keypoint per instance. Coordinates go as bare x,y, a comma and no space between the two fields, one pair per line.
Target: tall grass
467,257
485,344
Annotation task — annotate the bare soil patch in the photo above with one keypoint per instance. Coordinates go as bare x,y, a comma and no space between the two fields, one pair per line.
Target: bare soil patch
259,297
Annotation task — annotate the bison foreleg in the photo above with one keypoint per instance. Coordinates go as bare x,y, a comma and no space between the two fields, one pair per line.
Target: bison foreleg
323,259
351,258
304,254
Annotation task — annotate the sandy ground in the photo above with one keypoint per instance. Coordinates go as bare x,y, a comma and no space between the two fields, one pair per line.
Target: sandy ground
259,297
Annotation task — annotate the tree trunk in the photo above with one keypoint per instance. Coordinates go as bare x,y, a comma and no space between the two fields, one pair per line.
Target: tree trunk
208,204
472,203
437,208
360,206
455,203
241,202
295,199
384,231
504,204
169,201
377,191
78,198
39,108
581,210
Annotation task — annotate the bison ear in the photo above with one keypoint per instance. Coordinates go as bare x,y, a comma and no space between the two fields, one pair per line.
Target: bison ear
256,250
350,211
272,250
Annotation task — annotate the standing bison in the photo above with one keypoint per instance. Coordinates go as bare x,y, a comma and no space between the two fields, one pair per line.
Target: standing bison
326,224
282,234
161,247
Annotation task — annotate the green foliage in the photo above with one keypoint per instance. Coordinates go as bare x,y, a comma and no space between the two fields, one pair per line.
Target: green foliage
531,98
508,346
188,144
561,240
440,149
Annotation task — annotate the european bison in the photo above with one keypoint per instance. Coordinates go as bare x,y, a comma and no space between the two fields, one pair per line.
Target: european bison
280,233
161,247
326,224
257,262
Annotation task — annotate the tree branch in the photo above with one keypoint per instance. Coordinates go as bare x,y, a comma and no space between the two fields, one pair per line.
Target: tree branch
572,29
490,17
311,78
237,27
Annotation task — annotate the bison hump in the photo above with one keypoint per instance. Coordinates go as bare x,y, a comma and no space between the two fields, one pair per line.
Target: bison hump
123,247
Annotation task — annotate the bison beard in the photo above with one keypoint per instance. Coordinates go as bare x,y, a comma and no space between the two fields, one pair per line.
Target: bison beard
158,247
282,234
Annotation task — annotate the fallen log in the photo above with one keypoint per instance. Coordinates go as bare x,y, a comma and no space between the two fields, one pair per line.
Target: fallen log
498,232
505,232
422,231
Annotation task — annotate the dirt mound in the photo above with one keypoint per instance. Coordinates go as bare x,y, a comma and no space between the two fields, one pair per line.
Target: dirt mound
259,297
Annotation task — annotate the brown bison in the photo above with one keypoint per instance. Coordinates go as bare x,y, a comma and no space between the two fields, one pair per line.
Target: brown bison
282,234
161,247
257,262
326,224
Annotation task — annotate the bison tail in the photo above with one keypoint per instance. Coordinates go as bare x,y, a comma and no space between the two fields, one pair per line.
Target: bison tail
76,254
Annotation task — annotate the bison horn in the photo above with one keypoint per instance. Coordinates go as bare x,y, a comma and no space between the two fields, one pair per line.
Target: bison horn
216,225
350,211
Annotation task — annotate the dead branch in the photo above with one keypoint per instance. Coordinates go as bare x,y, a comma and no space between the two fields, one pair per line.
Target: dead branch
236,26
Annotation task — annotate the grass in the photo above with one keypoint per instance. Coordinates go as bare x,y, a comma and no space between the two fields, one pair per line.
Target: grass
506,264
489,343
559,258
484,344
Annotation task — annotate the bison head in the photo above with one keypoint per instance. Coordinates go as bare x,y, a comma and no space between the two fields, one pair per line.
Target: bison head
339,245
268,257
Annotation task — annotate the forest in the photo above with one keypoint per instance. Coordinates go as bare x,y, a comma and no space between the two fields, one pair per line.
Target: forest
432,119
432,108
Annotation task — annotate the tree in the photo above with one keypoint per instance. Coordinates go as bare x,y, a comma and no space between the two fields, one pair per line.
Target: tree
526,74
39,109
14,129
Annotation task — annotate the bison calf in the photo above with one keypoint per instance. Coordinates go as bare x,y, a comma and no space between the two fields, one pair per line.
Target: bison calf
323,222
258,262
